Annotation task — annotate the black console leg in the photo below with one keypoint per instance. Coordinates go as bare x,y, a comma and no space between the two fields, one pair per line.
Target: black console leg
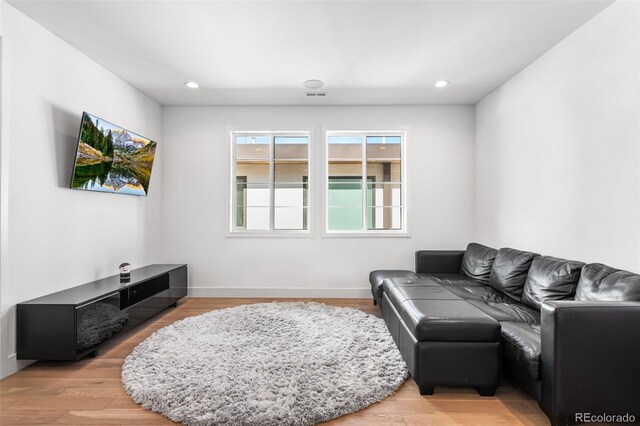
175,305
93,354
486,390
374,302
427,389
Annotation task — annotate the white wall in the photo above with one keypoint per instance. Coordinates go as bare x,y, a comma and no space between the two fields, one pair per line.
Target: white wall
558,148
3,210
196,192
53,237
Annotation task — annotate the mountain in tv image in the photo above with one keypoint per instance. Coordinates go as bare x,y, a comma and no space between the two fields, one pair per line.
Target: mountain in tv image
112,159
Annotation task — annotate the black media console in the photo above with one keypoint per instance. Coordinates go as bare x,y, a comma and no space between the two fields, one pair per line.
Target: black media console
71,324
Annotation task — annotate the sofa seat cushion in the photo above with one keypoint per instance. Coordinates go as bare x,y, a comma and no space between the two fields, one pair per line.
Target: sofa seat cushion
483,293
451,280
602,283
399,290
509,271
522,347
376,278
508,312
390,283
477,262
448,321
550,278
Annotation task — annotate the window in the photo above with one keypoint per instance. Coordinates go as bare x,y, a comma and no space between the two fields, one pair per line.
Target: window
365,185
270,173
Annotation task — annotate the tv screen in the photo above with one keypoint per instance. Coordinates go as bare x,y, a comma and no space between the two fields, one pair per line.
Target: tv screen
112,159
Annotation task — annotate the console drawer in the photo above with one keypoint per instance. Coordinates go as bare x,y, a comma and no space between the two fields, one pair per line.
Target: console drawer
144,310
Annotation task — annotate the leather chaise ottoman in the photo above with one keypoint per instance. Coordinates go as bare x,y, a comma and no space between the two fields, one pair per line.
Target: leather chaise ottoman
444,339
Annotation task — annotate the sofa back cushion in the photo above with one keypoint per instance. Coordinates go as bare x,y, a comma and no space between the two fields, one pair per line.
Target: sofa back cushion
601,283
477,262
509,271
550,278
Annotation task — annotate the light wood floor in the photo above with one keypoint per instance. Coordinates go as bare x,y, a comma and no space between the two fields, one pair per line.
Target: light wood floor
90,392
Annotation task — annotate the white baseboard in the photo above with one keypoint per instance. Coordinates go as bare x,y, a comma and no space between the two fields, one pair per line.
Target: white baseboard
13,365
320,293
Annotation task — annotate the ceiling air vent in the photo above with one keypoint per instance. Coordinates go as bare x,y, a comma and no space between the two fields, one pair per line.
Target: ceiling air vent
316,94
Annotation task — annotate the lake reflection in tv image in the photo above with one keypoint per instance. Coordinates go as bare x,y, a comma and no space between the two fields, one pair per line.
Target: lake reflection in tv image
112,159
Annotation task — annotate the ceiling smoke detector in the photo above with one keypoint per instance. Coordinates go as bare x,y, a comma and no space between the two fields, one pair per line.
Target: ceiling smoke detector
313,84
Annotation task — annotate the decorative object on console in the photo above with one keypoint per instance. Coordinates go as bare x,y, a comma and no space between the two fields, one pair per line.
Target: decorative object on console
267,364
125,272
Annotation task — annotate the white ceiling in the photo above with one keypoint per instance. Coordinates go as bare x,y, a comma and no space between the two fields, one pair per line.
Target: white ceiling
259,53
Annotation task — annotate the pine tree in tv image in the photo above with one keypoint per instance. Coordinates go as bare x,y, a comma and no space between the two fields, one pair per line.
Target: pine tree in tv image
112,159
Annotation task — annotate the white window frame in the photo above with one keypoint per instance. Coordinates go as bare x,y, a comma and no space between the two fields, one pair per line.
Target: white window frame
272,134
403,232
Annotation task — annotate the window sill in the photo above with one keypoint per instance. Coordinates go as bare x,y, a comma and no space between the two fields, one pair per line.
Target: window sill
397,234
271,234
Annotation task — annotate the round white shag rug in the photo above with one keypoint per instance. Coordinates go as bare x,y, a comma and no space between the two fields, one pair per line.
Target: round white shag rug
281,363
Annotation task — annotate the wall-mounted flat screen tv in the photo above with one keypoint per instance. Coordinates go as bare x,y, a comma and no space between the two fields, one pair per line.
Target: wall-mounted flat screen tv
112,159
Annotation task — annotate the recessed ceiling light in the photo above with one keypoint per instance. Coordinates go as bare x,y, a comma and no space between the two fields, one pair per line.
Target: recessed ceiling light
313,84
191,84
442,83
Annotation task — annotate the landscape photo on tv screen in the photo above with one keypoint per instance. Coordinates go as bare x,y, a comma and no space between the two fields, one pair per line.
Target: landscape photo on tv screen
112,159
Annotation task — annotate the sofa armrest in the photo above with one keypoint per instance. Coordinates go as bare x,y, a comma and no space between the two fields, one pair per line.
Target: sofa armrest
439,261
590,353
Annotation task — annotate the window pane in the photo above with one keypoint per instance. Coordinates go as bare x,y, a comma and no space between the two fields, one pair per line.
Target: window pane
391,140
344,219
389,152
291,147
345,203
252,204
385,194
254,172
255,218
241,186
383,158
290,195
384,218
252,140
240,213
252,148
345,192
291,218
345,182
352,169
343,148
291,210
257,195
291,171
385,171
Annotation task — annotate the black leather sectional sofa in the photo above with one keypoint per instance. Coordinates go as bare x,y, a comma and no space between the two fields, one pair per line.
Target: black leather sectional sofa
567,332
